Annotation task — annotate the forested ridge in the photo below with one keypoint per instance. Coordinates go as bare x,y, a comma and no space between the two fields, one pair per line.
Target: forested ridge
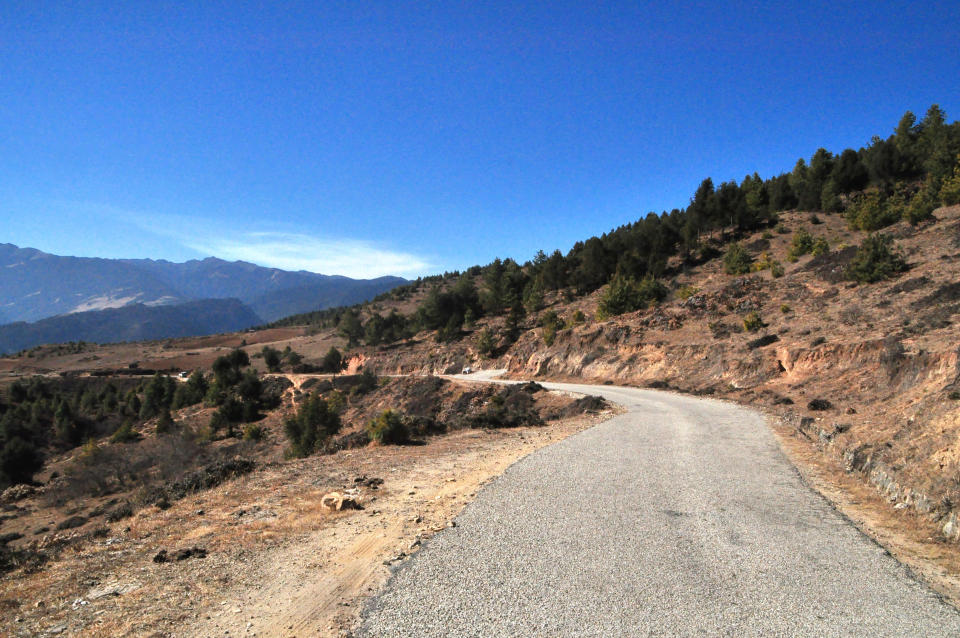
904,176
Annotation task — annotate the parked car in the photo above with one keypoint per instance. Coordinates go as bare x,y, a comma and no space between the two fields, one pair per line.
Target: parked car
467,370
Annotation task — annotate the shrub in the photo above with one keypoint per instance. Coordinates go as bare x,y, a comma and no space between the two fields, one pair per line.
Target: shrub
767,235
388,428
954,396
921,207
752,322
685,292
819,405
312,425
776,269
877,258
820,247
763,263
625,294
253,432
785,308
781,228
272,358
165,422
511,407
737,260
485,342
950,189
874,211
337,401
19,461
551,323
801,244
578,317
367,383
125,433
333,362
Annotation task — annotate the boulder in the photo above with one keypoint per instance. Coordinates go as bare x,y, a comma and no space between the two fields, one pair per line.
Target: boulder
337,501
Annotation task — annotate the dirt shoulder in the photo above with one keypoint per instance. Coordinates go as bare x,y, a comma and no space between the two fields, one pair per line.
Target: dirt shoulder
277,563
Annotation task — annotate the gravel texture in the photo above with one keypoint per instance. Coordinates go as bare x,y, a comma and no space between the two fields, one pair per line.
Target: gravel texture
679,518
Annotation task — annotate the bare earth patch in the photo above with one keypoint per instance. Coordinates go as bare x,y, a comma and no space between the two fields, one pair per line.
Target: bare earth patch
277,563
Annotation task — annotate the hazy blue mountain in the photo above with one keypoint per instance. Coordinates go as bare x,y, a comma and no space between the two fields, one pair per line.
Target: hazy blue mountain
35,285
334,291
135,322
213,278
77,298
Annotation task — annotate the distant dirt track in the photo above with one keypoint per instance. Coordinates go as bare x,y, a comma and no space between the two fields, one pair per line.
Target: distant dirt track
680,517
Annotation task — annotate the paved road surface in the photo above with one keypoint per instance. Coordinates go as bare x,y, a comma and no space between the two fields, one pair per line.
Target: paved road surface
678,518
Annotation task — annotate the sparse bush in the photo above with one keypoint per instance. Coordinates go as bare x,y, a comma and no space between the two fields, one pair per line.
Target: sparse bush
511,407
737,261
125,433
819,405
820,247
851,315
336,401
578,317
801,244
485,342
625,294
333,362
551,323
921,207
687,291
950,189
763,263
271,358
752,322
367,383
785,308
877,258
766,262
253,432
874,211
767,235
19,461
388,428
312,425
165,422
781,228
954,395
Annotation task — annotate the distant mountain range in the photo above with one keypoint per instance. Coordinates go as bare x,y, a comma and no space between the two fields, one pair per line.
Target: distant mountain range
137,322
160,298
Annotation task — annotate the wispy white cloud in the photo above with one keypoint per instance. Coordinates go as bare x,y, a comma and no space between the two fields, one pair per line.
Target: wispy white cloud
298,251
184,236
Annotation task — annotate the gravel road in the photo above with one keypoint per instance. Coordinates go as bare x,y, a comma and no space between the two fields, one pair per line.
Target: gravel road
680,517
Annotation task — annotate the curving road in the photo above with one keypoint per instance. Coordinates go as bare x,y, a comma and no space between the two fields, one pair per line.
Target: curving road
680,517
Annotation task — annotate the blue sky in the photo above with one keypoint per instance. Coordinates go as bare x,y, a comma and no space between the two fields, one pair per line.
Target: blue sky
411,138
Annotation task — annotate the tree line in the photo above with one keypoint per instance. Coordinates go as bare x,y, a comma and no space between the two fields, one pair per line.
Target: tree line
903,176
